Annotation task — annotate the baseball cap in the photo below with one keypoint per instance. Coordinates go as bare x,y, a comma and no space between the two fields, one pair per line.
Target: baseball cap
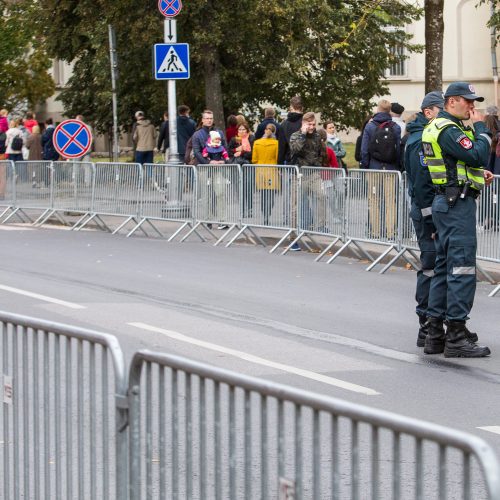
463,89
138,114
434,98
397,108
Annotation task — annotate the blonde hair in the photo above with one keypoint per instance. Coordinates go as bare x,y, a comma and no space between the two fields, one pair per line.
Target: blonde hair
35,129
3,112
384,106
13,124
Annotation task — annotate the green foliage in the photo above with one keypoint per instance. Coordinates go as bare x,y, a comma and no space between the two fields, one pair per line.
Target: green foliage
332,53
24,80
494,21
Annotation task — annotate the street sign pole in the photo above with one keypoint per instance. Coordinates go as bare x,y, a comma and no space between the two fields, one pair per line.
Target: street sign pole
173,156
114,71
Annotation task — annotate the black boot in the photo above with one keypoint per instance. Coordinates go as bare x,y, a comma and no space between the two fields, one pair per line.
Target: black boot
458,345
472,336
422,331
434,342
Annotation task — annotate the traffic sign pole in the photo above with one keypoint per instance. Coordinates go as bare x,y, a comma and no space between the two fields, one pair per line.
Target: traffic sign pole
173,155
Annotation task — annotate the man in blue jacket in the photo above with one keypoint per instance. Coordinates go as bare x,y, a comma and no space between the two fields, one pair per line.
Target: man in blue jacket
421,192
380,149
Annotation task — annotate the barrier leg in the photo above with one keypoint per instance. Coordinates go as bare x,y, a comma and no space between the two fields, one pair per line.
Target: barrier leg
495,291
327,249
392,261
339,251
299,236
179,231
221,239
123,224
379,258
281,241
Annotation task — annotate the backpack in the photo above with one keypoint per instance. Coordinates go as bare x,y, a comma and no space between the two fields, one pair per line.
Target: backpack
357,148
189,158
3,141
17,143
383,145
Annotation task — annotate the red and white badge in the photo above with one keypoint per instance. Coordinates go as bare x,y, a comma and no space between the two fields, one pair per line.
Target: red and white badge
466,143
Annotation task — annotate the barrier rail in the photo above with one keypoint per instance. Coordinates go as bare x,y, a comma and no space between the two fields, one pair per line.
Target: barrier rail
61,427
364,207
117,192
203,432
73,427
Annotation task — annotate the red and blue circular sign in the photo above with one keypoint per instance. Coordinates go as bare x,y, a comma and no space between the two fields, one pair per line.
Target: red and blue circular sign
169,8
72,139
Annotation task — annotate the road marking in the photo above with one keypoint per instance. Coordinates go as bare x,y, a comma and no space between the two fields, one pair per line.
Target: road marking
491,428
258,360
71,305
16,228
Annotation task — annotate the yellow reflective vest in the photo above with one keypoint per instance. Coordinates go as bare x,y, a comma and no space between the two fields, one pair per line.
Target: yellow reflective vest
435,161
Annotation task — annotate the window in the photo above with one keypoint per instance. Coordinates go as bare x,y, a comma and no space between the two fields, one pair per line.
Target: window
399,67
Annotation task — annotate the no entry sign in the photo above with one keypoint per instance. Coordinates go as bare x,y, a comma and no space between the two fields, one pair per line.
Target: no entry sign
72,139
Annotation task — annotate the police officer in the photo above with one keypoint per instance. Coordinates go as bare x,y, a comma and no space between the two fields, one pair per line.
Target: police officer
455,156
421,192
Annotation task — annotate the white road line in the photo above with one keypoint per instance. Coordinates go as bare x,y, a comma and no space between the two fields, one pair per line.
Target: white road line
16,228
491,428
71,305
259,361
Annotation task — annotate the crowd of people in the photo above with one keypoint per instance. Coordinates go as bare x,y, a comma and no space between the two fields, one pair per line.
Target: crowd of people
26,139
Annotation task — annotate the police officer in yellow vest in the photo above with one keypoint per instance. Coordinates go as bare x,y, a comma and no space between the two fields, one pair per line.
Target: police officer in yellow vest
455,156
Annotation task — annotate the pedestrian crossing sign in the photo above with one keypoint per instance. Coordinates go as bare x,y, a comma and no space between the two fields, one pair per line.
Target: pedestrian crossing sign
171,61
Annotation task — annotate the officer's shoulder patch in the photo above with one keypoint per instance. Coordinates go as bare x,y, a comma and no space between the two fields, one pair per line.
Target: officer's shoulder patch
464,141
428,149
422,159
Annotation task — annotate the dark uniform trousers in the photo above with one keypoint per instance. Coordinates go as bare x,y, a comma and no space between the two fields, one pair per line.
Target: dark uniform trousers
427,259
454,284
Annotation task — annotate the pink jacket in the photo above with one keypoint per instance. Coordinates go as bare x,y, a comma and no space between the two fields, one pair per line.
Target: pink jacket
4,124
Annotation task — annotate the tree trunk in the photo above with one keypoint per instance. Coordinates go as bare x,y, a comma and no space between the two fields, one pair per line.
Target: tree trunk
434,30
213,87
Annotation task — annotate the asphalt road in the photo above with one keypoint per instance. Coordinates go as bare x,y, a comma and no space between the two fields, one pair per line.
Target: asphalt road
350,333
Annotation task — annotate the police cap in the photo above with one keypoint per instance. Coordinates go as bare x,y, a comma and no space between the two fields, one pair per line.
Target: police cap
434,98
463,89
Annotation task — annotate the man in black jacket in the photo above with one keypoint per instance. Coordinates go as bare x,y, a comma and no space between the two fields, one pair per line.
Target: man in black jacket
292,124
186,127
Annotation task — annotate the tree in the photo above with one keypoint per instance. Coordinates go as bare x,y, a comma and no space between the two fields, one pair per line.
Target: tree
434,31
242,54
24,80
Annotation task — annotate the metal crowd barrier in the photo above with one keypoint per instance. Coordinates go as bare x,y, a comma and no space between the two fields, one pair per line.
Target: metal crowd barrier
365,207
62,427
33,189
117,192
73,427
217,200
203,432
169,194
7,187
322,193
72,189
268,196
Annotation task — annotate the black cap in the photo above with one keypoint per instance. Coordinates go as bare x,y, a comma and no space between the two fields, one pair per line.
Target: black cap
463,89
396,108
